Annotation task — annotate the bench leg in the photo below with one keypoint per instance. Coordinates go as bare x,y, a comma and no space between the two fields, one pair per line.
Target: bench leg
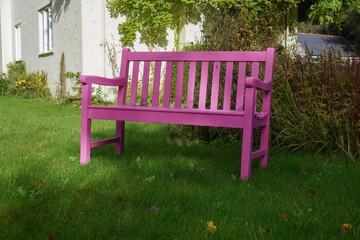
247,143
264,144
85,148
120,131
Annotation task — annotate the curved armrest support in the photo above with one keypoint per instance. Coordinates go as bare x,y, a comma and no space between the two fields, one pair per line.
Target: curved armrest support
258,84
103,81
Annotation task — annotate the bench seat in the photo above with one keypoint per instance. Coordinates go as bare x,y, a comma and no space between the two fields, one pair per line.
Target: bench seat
199,117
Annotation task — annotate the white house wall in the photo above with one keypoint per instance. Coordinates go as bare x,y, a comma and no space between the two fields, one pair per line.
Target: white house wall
6,33
66,36
80,28
98,27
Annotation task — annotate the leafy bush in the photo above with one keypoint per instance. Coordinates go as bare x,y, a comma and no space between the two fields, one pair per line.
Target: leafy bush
4,84
15,69
22,84
316,102
225,29
75,79
31,85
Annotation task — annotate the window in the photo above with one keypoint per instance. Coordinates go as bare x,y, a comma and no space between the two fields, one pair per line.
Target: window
17,43
45,30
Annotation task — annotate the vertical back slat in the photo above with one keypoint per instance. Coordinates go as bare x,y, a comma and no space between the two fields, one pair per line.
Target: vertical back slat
240,87
215,86
179,83
124,73
203,84
134,83
228,85
167,87
156,87
145,83
191,85
255,74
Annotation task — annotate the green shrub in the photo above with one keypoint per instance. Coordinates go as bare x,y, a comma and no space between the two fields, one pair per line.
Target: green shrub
31,85
75,79
316,104
224,29
4,84
15,69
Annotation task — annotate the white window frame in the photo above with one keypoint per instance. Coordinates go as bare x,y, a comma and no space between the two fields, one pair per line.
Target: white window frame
45,30
18,42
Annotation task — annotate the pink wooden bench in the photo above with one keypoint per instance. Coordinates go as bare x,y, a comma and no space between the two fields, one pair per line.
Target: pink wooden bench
243,114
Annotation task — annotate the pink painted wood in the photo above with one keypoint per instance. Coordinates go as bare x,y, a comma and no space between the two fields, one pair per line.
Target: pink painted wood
203,84
215,86
145,84
179,84
134,83
156,87
174,113
167,86
228,85
191,86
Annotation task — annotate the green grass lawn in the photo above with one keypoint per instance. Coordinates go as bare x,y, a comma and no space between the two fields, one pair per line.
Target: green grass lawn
44,191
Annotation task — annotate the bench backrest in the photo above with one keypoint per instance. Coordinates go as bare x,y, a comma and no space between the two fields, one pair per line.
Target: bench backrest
144,66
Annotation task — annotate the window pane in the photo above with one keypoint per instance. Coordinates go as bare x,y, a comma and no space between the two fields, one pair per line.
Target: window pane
17,43
46,30
50,28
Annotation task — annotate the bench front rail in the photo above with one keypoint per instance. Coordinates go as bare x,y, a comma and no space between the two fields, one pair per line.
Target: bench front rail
237,108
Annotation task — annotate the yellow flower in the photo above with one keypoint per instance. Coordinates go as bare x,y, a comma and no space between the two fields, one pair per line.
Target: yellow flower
346,227
210,226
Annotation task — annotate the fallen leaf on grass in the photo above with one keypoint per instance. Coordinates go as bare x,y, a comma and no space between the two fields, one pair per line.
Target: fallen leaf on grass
32,215
263,230
73,158
283,217
52,237
139,179
345,228
35,149
213,152
121,198
300,183
42,181
310,192
54,160
233,177
154,210
304,174
210,226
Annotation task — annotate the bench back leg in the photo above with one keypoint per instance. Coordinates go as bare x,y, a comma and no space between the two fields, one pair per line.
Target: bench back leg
264,144
248,132
120,132
247,143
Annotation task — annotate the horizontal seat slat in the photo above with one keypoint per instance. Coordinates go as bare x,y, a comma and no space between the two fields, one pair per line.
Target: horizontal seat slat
198,56
171,116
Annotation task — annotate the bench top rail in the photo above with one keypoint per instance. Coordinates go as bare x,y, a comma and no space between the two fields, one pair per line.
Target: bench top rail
258,56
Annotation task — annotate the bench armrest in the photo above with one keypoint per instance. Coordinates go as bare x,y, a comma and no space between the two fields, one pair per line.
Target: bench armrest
103,81
258,84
